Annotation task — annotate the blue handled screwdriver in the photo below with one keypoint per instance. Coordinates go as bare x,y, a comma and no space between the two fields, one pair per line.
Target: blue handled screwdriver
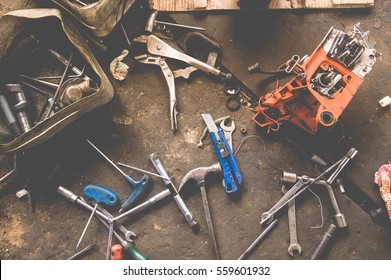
138,185
99,195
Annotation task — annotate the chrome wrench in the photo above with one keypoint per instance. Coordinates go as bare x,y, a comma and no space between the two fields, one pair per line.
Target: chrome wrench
294,245
339,165
228,131
267,217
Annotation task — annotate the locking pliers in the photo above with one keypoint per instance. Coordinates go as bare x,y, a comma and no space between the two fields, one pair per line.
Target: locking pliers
158,51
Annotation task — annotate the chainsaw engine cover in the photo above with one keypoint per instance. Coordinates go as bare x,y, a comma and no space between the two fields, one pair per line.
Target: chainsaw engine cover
13,25
324,82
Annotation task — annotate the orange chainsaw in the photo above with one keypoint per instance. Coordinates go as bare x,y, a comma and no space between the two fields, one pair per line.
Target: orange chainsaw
324,82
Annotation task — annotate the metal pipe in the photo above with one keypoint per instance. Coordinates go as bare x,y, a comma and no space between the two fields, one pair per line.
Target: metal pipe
144,205
324,242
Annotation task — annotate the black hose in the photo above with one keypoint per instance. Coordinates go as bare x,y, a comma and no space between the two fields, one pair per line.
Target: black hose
256,68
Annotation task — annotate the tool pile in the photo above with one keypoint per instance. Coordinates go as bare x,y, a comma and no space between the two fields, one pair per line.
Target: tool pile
67,78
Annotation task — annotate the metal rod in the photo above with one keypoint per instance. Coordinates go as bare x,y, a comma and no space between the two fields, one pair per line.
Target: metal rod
57,93
45,83
125,34
86,226
294,195
65,61
260,237
6,176
106,158
82,252
180,25
110,240
144,205
142,170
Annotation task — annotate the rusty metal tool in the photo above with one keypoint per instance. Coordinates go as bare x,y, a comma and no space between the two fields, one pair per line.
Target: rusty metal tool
82,252
9,116
198,175
158,47
20,107
259,239
339,218
267,216
9,173
294,245
57,93
152,22
304,183
170,185
324,242
157,53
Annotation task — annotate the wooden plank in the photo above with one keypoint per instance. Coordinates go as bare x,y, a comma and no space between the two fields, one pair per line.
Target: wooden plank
193,5
338,3
351,2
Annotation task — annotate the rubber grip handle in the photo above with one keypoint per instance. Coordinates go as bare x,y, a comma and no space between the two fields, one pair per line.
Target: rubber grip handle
138,189
100,195
131,253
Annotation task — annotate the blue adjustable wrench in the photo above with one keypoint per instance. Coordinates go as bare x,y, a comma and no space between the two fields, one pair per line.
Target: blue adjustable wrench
229,167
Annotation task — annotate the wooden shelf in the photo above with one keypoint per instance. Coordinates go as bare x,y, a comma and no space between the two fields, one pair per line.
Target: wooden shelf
196,5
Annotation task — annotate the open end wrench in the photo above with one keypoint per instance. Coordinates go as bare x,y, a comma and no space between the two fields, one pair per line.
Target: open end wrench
228,130
267,217
294,243
294,191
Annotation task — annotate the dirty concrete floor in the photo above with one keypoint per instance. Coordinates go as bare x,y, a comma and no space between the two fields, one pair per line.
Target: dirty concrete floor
136,123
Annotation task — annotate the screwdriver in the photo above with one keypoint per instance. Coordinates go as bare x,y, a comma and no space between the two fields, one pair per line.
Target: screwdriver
97,194
138,186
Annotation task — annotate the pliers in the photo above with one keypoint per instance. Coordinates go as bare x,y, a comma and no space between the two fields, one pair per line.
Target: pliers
158,51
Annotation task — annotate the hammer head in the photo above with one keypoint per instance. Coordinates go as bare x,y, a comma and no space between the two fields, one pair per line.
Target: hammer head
199,174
